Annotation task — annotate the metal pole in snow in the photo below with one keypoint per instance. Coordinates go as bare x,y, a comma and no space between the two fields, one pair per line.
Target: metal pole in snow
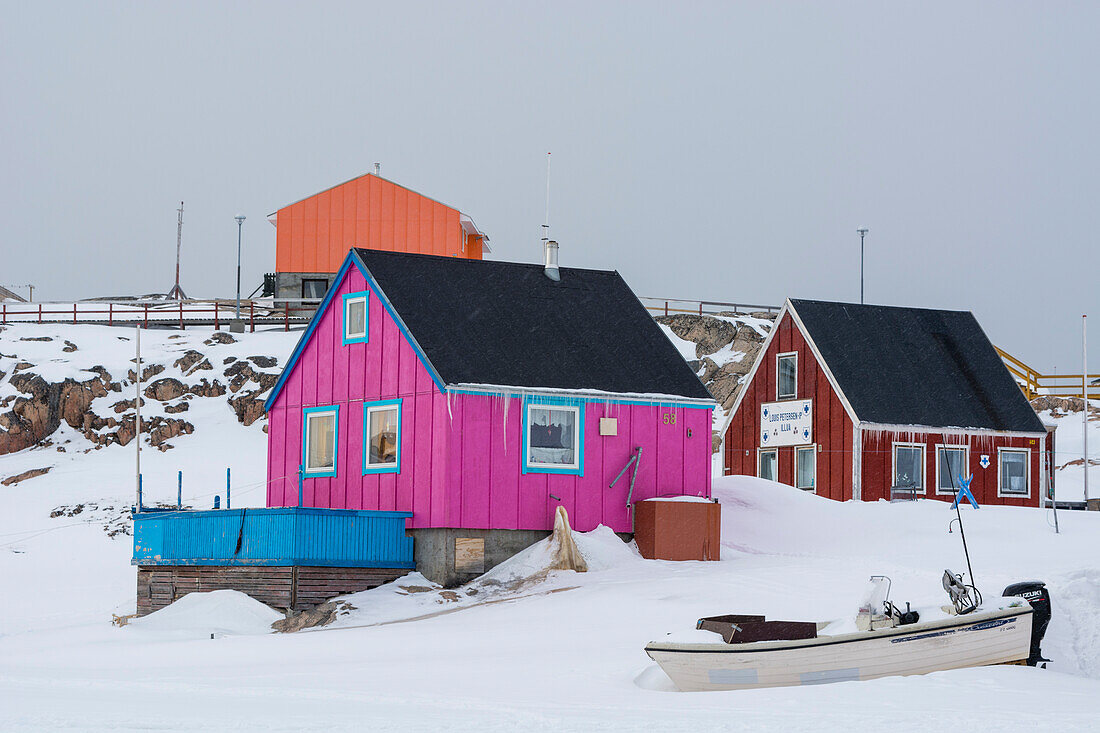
137,415
179,491
240,221
862,233
1085,398
227,506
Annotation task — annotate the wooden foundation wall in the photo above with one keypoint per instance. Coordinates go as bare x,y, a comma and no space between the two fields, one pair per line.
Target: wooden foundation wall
282,587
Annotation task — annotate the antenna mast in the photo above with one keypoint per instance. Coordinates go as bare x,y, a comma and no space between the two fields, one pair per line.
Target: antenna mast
546,226
176,293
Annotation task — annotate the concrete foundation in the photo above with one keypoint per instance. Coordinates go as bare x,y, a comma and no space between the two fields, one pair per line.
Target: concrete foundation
452,557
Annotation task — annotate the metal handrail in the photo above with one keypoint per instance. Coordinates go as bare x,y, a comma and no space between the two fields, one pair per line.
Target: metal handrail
1034,384
265,311
701,307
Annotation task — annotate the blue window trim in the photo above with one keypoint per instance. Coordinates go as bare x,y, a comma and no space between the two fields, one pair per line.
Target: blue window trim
306,412
543,401
363,295
386,467
352,260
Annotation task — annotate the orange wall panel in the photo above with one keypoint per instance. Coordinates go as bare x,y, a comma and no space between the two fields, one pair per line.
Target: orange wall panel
315,234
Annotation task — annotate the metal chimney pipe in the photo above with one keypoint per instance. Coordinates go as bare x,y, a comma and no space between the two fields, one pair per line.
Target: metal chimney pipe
377,169
550,259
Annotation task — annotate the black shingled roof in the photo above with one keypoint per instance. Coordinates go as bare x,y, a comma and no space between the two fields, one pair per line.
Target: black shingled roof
915,366
506,323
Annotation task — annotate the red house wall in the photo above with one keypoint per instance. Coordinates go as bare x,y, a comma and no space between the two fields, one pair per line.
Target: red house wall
832,429
833,434
878,462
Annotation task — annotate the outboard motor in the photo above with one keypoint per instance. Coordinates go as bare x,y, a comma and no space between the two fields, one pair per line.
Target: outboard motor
1034,592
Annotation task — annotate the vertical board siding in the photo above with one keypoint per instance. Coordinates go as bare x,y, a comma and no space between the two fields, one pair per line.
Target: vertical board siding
315,234
833,432
496,495
877,473
461,454
830,423
331,372
272,537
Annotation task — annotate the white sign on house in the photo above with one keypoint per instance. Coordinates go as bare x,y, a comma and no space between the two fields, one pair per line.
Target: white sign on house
786,423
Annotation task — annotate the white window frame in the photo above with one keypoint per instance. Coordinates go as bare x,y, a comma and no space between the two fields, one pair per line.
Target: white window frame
923,491
578,436
966,464
1027,473
351,338
760,458
813,450
309,417
779,358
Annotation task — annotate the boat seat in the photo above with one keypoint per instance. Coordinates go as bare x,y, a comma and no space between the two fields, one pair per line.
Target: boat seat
742,629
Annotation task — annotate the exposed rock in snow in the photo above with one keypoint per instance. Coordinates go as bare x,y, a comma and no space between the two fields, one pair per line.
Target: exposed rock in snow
65,377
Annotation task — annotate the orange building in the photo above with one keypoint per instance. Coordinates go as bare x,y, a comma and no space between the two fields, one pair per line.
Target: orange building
313,236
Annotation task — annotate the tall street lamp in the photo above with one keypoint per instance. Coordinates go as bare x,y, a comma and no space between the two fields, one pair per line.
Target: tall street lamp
862,233
237,326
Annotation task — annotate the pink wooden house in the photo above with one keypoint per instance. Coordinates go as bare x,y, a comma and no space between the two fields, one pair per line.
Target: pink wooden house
481,395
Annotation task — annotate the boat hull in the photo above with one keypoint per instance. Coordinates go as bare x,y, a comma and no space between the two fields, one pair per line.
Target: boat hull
981,638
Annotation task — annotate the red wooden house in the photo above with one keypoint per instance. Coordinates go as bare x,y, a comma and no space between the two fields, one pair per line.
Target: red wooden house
869,402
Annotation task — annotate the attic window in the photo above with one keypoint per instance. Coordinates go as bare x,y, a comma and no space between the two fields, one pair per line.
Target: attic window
553,439
787,376
355,318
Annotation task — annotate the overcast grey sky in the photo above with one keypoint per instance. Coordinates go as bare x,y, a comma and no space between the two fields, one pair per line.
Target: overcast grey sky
724,151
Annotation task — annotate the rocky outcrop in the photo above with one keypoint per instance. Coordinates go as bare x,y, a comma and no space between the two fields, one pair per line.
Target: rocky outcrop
44,407
39,407
726,346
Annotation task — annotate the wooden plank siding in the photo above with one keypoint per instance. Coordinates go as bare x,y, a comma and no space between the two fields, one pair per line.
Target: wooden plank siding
281,587
461,453
834,434
832,429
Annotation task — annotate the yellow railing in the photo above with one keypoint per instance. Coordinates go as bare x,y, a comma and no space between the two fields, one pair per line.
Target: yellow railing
1033,383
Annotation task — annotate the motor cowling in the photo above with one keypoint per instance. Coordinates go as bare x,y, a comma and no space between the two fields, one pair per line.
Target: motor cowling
1035,593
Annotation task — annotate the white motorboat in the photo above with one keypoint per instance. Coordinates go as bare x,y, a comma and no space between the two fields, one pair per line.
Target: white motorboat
744,652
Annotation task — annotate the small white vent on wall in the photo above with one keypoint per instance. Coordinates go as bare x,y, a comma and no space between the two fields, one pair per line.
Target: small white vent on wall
609,426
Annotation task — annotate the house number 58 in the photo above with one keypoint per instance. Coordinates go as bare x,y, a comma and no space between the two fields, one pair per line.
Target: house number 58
669,418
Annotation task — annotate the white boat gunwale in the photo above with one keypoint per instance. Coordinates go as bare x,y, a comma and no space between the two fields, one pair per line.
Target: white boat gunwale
952,623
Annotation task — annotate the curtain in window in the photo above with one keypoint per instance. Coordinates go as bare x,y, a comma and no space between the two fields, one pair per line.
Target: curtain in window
767,466
951,467
788,385
552,436
357,318
907,466
1013,473
805,477
322,441
382,436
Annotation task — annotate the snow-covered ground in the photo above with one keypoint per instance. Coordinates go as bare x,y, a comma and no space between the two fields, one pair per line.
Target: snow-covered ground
559,651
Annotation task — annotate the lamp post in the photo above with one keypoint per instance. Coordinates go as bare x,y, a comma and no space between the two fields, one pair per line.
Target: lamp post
862,233
237,326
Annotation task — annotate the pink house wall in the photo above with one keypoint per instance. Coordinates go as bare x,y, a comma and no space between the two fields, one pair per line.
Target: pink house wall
461,454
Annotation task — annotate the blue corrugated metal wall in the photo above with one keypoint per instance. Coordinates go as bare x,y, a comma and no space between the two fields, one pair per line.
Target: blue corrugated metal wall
274,536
